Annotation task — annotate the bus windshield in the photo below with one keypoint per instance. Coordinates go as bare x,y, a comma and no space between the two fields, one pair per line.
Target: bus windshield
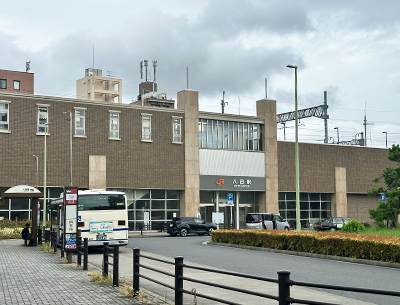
101,202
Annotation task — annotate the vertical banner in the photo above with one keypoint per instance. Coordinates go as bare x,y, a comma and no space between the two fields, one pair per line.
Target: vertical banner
70,218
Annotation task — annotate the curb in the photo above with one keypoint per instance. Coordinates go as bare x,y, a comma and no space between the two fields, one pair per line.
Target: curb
306,254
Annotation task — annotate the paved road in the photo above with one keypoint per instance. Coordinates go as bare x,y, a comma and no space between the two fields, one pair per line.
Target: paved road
195,251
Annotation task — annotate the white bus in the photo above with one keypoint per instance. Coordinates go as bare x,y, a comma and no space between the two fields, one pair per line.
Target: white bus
102,217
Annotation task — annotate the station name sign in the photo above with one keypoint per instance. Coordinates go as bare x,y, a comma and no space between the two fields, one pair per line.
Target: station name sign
232,183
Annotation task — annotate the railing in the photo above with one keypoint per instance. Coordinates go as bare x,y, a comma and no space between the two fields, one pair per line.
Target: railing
284,283
115,263
54,240
153,226
82,249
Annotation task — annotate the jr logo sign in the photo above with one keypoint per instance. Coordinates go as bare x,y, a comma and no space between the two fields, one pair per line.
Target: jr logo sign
220,182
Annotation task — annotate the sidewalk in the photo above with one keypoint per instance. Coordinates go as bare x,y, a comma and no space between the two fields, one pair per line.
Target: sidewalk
30,276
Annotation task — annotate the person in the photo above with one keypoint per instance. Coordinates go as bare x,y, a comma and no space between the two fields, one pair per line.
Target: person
26,235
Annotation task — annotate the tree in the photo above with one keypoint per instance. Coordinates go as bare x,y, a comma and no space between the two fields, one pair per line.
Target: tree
389,209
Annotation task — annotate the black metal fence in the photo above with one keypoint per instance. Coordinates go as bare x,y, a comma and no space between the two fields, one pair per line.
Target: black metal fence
114,263
54,240
82,250
284,283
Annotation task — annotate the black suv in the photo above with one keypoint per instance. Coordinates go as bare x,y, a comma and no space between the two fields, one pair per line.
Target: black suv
186,225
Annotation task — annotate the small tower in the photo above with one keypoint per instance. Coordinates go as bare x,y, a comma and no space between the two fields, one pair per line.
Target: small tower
95,87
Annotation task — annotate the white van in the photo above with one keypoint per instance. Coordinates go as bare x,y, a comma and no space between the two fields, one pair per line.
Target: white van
266,221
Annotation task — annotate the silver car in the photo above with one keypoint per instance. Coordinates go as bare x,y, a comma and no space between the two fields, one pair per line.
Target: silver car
266,221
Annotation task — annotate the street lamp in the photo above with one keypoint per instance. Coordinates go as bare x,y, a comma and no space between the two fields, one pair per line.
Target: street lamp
385,132
337,128
70,145
44,177
296,150
37,169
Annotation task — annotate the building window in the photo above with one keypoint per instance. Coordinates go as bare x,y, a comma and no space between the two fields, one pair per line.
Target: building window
114,125
177,130
80,122
43,119
314,207
230,135
3,83
16,85
146,127
4,124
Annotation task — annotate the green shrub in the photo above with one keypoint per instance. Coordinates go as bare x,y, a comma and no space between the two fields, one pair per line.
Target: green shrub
371,247
353,226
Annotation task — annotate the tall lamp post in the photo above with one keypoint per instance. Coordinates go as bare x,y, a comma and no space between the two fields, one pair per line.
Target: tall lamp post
44,177
385,132
296,150
37,169
337,128
70,146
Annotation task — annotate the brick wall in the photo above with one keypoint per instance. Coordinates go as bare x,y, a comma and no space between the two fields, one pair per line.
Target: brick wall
130,162
26,81
317,164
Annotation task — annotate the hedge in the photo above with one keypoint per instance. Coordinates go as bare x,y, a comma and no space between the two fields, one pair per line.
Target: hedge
371,247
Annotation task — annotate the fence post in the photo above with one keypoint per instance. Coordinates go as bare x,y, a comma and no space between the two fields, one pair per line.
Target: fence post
85,253
283,287
178,280
79,256
54,241
136,259
115,265
105,259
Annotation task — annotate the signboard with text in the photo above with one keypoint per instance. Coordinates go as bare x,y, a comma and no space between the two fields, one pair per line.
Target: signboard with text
70,218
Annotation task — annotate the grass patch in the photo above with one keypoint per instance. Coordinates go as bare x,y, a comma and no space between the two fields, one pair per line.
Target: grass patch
382,231
97,277
46,247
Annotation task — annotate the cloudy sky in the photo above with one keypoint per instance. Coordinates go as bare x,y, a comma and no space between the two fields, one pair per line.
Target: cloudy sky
351,49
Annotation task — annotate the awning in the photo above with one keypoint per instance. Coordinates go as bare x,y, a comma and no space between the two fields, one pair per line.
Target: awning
22,191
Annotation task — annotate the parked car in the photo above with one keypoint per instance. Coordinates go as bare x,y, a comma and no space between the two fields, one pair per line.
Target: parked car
333,223
186,225
268,221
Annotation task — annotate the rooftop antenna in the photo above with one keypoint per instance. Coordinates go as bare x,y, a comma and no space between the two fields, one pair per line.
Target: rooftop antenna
266,96
187,77
93,59
28,66
141,70
146,63
154,67
109,73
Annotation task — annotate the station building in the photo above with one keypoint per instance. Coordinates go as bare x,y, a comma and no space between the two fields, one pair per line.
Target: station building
177,160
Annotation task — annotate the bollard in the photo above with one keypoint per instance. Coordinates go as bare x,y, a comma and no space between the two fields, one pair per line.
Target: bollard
85,253
136,259
115,265
283,287
105,259
79,256
179,280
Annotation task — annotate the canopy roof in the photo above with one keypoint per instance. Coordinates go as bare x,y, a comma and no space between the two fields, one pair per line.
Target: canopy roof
22,191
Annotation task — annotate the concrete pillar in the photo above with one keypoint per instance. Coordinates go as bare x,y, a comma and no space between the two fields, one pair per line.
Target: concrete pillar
267,109
188,100
340,192
97,172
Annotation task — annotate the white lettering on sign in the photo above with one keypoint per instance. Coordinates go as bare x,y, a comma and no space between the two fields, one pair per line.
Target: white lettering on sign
243,183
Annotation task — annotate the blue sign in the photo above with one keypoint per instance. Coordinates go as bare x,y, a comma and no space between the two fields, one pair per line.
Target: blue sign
230,198
383,197
79,218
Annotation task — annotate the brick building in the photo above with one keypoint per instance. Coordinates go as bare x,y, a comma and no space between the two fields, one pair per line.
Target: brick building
178,160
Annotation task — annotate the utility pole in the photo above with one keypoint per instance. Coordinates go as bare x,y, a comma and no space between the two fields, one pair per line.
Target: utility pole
326,117
223,101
